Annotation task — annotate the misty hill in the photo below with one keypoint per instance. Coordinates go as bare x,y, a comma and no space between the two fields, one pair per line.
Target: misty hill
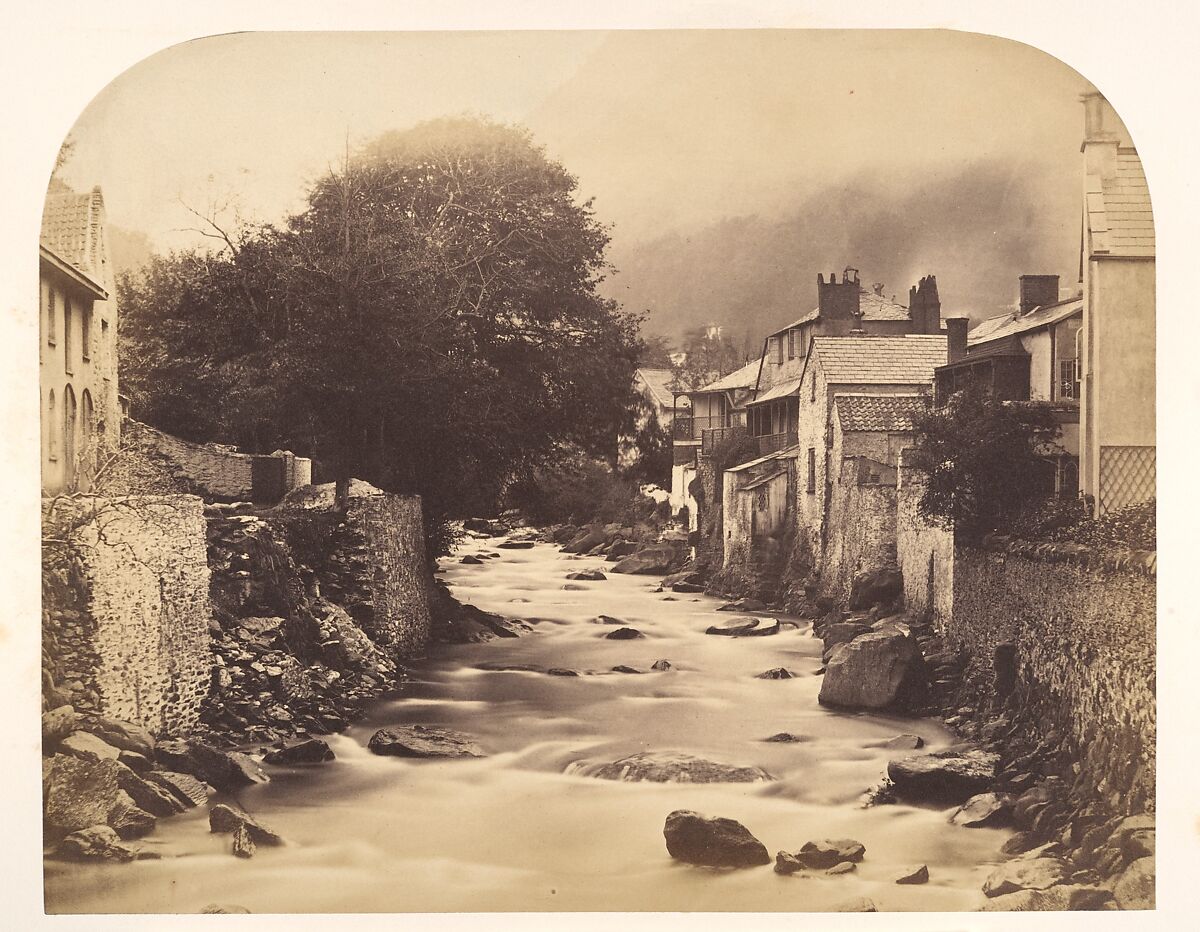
977,229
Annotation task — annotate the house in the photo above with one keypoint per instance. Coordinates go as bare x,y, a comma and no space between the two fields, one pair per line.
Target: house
855,400
843,308
77,344
718,412
660,403
1117,265
1030,355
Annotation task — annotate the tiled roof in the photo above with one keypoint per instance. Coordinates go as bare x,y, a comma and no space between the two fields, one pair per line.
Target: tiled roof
744,377
72,229
1119,216
995,328
869,359
658,383
874,307
1005,346
879,412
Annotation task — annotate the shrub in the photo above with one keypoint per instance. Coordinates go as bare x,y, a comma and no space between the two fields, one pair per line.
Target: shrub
576,491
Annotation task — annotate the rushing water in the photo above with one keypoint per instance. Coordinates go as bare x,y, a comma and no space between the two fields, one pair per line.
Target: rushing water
525,829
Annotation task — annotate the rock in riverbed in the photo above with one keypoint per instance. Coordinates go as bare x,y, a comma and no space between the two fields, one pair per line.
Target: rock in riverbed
97,843
1035,874
713,842
743,605
624,634
312,751
915,876
661,767
588,576
829,852
987,810
947,777
777,673
873,671
744,627
226,819
423,742
78,793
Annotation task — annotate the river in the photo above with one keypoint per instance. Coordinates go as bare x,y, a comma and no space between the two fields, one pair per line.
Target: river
525,828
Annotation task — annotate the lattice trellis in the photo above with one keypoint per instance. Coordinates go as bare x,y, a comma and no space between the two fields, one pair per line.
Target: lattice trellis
1126,476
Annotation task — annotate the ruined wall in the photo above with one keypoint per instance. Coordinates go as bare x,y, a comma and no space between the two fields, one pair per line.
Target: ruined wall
862,529
381,545
126,609
1080,628
221,473
924,550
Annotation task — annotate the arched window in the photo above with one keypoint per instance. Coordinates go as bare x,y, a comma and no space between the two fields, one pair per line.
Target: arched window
70,426
51,429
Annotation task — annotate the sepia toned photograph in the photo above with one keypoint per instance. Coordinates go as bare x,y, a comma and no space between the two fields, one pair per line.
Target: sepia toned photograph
674,470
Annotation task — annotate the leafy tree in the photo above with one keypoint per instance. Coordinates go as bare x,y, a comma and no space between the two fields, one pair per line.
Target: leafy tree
709,354
429,322
985,459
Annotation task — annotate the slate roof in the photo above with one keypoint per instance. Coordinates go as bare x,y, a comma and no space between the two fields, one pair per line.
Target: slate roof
1119,216
878,412
658,382
745,377
995,328
869,359
72,229
873,306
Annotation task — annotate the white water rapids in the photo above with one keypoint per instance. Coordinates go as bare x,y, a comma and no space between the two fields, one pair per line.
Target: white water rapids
524,828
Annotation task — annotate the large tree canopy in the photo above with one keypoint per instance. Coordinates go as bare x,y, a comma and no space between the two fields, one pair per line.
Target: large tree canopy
429,322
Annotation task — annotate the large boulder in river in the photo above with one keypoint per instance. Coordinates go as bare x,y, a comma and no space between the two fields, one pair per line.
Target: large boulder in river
1034,874
226,819
660,558
660,767
586,540
423,742
878,586
226,771
310,751
874,671
78,793
828,852
122,735
715,842
945,777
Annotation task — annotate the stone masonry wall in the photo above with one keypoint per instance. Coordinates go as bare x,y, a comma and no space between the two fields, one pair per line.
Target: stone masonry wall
1068,638
924,551
384,583
126,613
862,531
222,473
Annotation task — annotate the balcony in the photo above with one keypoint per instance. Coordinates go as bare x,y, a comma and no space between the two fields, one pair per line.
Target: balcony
773,443
693,428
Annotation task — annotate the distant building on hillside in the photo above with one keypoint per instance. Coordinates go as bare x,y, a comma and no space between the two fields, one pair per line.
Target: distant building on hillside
77,344
1117,442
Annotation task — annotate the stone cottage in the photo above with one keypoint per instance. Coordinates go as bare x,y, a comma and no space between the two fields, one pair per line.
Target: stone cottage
77,340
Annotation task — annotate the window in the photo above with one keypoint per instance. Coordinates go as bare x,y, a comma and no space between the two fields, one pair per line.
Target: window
1068,378
778,341
812,388
52,429
791,344
67,314
85,340
812,470
51,315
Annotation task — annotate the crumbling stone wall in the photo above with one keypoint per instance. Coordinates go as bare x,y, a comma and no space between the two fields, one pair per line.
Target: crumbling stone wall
126,611
862,529
379,557
217,472
1065,639
924,550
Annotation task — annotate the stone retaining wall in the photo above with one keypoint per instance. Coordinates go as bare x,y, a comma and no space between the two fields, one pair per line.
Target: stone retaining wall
126,610
862,529
1068,635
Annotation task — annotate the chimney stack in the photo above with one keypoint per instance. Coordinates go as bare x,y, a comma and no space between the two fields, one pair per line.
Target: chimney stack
838,300
1100,142
1038,291
956,338
925,307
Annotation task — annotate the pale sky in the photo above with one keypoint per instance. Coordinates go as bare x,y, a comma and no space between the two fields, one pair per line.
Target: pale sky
668,130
